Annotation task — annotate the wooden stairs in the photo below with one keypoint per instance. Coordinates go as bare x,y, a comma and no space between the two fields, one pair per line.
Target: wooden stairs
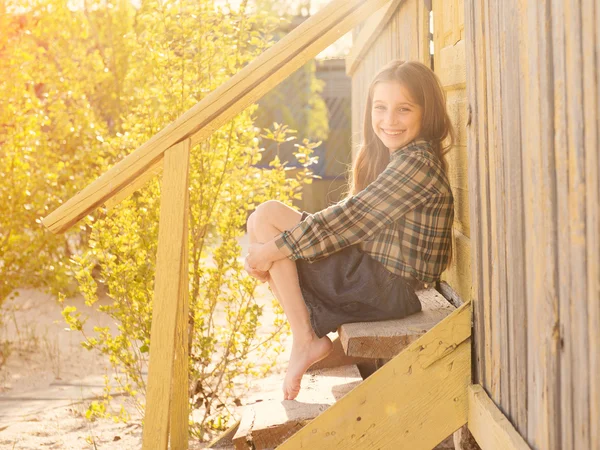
414,373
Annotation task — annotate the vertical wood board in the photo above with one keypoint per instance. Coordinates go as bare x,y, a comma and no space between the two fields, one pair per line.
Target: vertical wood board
499,313
562,203
539,189
168,294
516,300
484,188
450,67
577,225
590,13
179,415
473,64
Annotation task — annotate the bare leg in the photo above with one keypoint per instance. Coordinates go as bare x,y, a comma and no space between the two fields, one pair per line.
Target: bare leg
252,237
307,348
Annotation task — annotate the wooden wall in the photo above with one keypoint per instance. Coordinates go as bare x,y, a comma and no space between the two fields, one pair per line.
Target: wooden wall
533,74
450,67
522,82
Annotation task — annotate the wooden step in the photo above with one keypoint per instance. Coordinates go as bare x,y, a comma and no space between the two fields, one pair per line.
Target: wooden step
267,424
388,338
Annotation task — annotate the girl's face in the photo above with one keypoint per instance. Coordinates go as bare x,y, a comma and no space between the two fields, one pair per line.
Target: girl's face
396,118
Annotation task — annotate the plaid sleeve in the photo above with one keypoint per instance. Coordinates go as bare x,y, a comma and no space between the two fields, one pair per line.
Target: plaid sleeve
402,186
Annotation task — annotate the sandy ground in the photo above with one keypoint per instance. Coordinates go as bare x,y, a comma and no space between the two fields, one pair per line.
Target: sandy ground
49,380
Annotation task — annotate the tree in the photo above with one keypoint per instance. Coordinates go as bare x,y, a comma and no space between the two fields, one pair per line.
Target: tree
52,137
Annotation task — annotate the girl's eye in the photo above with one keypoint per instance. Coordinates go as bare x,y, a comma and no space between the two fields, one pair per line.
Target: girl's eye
380,107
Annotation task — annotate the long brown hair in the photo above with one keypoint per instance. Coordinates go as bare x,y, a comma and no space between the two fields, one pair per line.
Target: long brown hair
425,90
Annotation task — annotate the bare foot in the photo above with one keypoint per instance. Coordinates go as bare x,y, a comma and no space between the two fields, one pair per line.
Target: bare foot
303,356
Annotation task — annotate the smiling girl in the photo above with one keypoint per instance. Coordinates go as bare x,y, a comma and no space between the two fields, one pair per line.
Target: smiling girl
363,258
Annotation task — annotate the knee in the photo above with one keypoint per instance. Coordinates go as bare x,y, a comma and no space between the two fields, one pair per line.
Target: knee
250,223
265,212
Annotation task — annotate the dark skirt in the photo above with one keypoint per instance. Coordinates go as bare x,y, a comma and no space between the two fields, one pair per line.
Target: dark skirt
350,286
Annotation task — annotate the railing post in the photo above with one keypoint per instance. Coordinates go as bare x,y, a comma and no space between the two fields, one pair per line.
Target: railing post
179,422
167,388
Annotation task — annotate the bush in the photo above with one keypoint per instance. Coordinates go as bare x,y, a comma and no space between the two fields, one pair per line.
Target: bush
178,53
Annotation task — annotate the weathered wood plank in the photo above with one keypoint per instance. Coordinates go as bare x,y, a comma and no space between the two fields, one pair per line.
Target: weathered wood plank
247,86
590,14
483,209
579,366
489,426
415,401
539,191
492,311
388,338
450,294
369,34
169,296
475,201
499,315
563,245
268,423
450,67
515,231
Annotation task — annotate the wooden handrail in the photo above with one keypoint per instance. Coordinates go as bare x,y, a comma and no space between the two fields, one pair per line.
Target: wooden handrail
198,123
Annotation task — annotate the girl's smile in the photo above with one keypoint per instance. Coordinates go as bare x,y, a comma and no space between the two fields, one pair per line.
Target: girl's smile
395,116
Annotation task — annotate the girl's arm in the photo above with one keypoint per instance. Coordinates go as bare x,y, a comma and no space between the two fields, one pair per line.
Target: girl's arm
407,182
262,256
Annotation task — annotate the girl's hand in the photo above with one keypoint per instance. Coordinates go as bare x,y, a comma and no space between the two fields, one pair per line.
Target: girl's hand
260,276
256,258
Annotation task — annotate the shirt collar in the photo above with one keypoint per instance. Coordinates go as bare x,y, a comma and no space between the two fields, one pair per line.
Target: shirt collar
413,145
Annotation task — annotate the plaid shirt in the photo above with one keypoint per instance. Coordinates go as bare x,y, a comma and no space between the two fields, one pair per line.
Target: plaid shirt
403,219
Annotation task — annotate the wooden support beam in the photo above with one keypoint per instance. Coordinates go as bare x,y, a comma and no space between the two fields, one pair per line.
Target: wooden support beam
415,401
180,399
220,106
489,426
169,315
374,26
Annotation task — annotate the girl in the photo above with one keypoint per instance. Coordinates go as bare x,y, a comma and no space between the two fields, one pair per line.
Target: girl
362,258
